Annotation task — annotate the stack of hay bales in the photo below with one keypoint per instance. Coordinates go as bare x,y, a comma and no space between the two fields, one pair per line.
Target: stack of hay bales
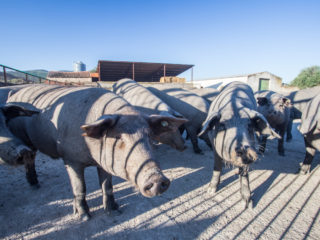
172,80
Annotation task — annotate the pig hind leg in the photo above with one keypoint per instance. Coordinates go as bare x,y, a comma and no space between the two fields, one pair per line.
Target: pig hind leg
310,152
244,186
29,164
80,206
215,180
105,180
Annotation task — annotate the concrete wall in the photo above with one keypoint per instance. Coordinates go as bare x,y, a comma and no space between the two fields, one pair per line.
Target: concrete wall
218,83
72,80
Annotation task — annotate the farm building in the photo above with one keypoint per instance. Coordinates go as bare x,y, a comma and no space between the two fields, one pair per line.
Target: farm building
111,71
257,81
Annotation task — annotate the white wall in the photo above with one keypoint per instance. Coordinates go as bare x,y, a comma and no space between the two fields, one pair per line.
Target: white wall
216,83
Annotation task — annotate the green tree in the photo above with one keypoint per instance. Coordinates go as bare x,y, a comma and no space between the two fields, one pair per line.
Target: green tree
308,77
93,70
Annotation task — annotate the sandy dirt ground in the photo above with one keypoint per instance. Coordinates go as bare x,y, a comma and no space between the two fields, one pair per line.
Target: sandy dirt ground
285,205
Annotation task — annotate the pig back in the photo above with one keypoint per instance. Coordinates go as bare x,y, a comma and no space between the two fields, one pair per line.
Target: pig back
140,97
56,131
190,105
234,98
207,93
300,99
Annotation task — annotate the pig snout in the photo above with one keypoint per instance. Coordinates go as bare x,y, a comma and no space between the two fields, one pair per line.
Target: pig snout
244,155
155,185
240,151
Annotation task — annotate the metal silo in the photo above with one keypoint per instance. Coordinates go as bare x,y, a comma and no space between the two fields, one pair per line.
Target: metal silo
79,66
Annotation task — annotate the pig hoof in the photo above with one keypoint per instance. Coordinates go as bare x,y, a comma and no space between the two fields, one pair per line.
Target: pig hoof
248,204
304,169
115,206
198,152
85,217
111,206
113,213
211,190
35,186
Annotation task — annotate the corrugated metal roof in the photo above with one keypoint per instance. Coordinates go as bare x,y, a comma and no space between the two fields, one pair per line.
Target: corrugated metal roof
58,74
139,71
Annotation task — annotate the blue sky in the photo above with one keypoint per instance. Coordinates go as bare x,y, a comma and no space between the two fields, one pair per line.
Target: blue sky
220,38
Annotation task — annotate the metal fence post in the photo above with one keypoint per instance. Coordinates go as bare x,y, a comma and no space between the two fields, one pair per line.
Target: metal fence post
5,75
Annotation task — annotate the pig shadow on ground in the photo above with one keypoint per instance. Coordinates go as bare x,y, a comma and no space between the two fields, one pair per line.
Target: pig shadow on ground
134,205
279,165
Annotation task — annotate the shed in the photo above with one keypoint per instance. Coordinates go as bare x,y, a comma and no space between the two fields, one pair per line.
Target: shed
139,71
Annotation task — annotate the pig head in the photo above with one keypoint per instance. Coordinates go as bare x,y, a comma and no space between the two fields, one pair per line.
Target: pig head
233,137
276,109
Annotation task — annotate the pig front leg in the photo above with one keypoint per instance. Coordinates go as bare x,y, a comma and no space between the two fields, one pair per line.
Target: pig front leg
76,176
289,130
194,139
215,180
105,180
310,152
244,186
280,141
262,143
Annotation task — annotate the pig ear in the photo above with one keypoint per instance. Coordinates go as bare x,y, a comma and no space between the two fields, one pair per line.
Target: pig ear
160,124
209,123
98,128
11,111
307,125
261,125
178,115
262,101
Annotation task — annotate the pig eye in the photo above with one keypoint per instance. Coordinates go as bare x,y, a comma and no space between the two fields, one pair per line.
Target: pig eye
221,127
122,144
164,124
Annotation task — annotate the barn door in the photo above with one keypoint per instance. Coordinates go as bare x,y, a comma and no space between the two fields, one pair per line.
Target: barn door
263,84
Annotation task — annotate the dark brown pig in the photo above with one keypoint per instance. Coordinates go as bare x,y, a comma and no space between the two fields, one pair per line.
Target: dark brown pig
92,127
190,105
276,109
231,124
